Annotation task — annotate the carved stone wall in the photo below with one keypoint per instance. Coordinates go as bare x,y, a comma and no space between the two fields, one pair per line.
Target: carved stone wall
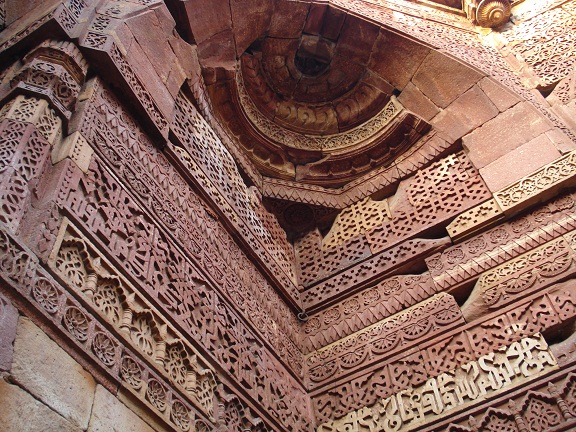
160,270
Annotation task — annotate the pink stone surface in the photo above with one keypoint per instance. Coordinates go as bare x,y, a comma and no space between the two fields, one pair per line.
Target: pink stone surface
8,324
442,79
414,100
519,162
504,133
396,58
500,96
470,110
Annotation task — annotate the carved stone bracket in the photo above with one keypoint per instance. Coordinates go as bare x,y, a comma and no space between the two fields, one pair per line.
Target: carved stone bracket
54,71
488,13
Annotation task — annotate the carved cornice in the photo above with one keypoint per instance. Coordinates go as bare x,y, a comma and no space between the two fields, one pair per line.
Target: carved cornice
383,339
325,143
436,398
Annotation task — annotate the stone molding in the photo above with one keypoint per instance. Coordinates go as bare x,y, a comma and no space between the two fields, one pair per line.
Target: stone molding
373,304
383,339
507,368
535,187
23,273
110,296
552,308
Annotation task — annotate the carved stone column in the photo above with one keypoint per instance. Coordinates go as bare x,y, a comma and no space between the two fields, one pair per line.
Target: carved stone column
38,94
54,71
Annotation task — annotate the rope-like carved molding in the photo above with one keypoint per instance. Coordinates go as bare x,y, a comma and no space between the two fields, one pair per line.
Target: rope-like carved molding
505,369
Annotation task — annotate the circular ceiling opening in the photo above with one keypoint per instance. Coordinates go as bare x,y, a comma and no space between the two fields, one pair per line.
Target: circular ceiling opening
314,55
309,65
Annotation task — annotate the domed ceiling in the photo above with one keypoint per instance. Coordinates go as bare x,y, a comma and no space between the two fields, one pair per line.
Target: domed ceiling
312,101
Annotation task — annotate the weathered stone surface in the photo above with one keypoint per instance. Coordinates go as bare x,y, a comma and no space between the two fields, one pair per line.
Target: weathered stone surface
396,58
150,78
8,323
414,100
561,141
140,411
519,162
507,131
219,50
194,290
442,79
208,18
15,10
470,110
51,375
357,39
250,19
75,147
151,32
293,12
499,95
21,412
109,414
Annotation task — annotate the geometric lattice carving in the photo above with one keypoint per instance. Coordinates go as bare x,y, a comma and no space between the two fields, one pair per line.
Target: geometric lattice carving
23,153
203,152
36,111
355,220
55,71
474,219
161,266
368,228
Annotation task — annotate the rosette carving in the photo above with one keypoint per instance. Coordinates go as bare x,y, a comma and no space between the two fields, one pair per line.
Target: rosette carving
493,13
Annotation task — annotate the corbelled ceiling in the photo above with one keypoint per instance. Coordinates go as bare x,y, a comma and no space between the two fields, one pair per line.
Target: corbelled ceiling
314,100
